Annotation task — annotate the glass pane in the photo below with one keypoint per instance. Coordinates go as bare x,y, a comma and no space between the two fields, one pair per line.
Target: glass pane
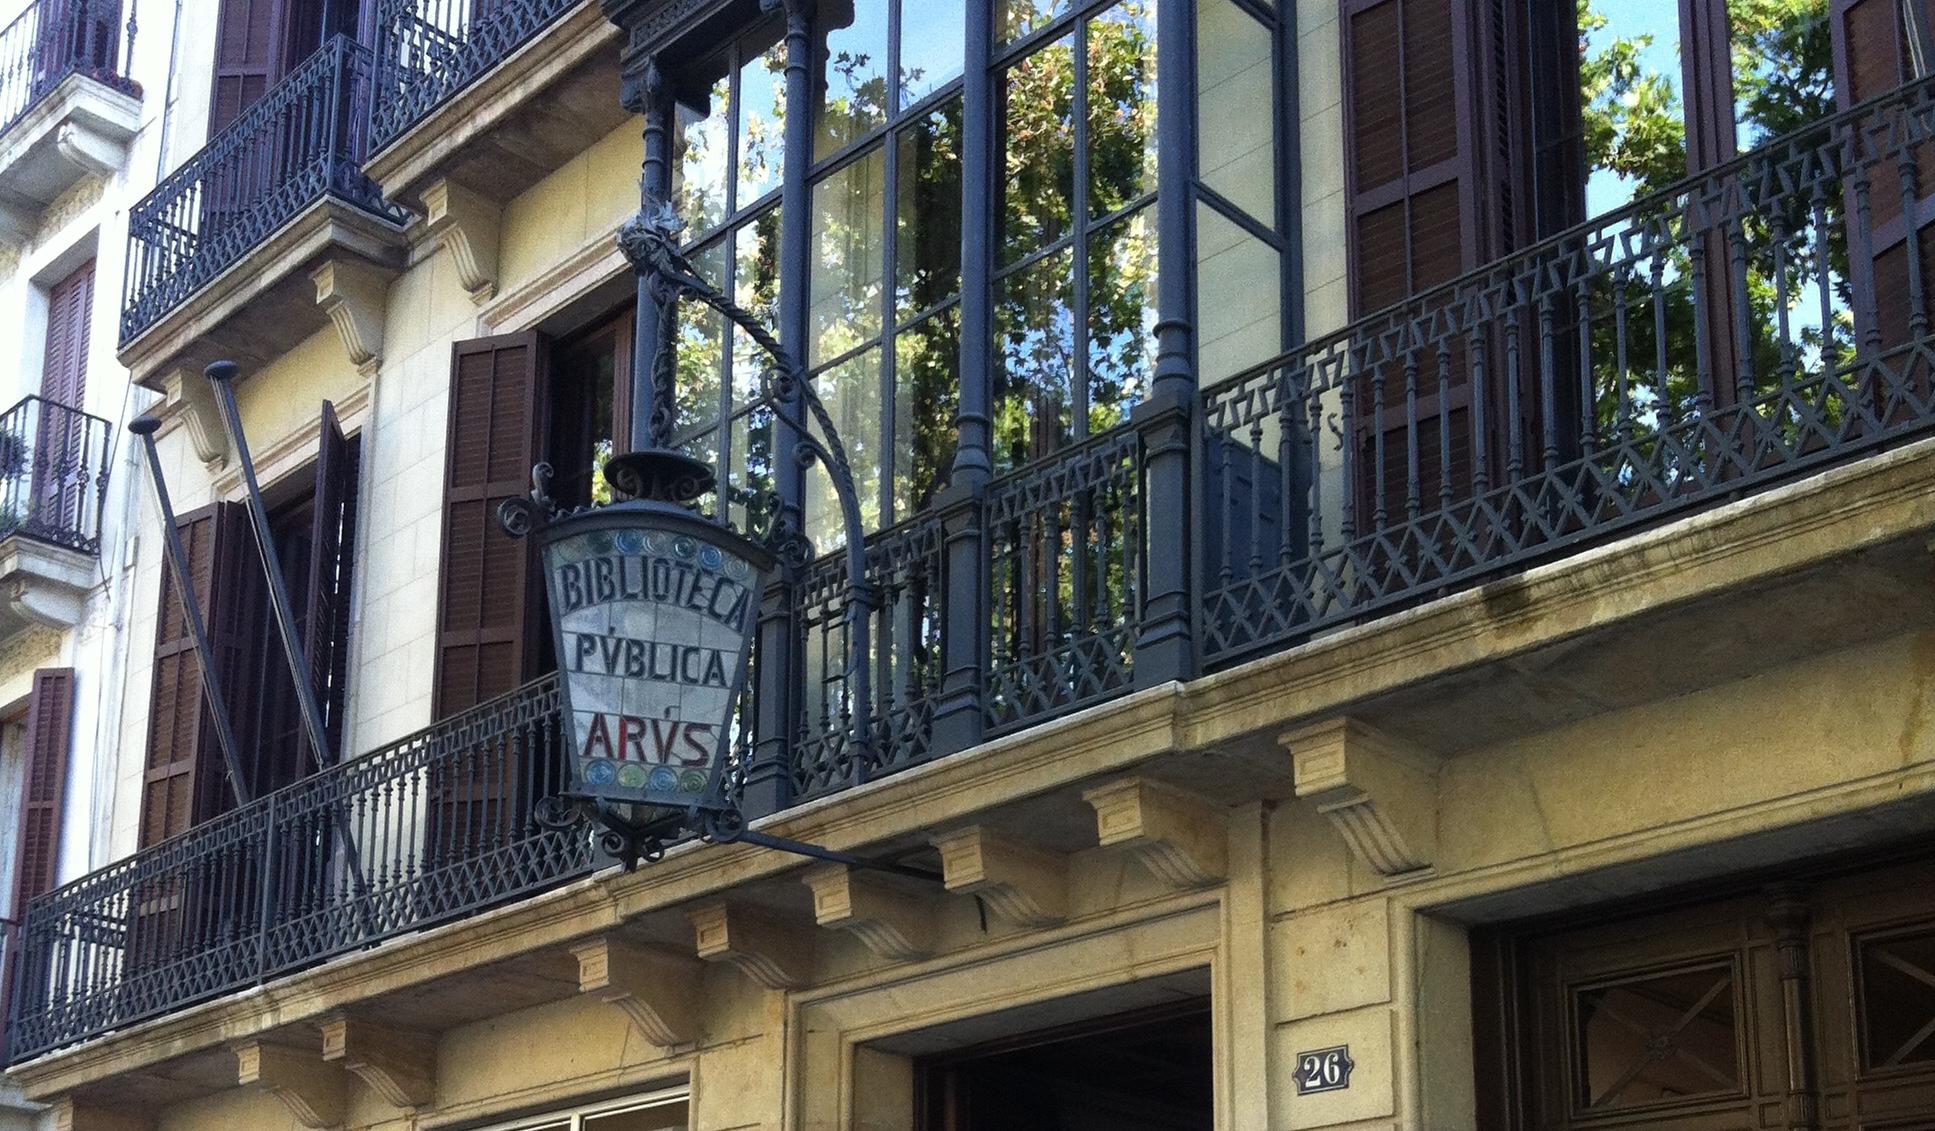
1237,155
851,393
1239,297
930,47
702,348
926,397
849,249
703,150
658,1117
1035,340
749,480
705,446
1898,1000
762,117
1662,1037
1783,68
755,287
1122,106
853,79
1039,149
1122,317
928,225
1016,18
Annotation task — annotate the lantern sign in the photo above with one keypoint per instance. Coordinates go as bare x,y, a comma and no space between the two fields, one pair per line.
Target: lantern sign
654,611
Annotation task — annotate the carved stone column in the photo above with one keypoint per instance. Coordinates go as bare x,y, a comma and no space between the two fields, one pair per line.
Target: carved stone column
1789,916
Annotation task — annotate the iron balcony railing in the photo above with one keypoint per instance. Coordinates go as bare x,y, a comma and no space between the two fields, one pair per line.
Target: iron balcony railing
429,50
1744,326
53,39
53,474
303,140
430,828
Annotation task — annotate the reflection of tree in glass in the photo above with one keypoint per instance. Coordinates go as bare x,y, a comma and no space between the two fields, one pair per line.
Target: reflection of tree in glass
1035,319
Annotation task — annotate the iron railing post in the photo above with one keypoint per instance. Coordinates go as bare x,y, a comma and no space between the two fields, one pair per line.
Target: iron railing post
960,715
265,910
1165,645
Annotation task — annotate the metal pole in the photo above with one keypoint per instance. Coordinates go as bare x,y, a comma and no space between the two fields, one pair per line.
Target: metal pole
220,375
191,608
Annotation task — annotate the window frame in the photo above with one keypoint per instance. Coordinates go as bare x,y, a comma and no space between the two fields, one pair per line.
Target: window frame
573,1118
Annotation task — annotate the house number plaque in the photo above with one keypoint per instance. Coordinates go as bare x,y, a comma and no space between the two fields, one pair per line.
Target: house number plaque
1324,1070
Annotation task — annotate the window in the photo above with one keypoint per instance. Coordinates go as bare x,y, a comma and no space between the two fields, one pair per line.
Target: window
661,1111
1075,257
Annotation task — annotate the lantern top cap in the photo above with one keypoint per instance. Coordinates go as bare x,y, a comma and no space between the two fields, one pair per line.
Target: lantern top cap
659,475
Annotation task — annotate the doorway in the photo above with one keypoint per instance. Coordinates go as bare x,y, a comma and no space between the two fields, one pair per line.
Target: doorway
1144,1071
1801,1001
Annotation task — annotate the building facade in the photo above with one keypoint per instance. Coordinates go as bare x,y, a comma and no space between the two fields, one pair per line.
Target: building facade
1397,542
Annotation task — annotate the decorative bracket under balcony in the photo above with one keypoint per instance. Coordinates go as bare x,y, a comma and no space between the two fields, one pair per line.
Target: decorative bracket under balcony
189,397
44,585
1023,885
399,1065
659,992
894,925
1380,793
355,294
768,953
315,1092
74,1115
1181,839
467,223
81,128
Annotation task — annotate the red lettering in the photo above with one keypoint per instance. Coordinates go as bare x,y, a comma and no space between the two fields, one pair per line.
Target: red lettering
664,733
702,753
631,738
600,736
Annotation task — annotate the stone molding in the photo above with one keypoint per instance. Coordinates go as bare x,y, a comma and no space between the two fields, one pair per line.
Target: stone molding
1183,840
1380,794
657,991
1025,886
893,925
399,1065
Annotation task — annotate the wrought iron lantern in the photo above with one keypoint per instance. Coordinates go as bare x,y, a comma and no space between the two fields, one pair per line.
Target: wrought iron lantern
654,605
653,609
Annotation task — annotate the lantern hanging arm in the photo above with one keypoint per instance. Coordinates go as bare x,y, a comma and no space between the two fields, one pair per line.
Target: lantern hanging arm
650,241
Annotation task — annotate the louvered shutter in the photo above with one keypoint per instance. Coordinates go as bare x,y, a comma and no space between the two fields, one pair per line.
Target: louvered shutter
331,557
1876,47
183,781
50,717
1419,217
488,612
60,483
248,40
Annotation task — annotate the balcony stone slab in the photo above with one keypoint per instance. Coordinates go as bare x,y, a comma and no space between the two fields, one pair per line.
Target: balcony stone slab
277,296
543,105
81,128
43,585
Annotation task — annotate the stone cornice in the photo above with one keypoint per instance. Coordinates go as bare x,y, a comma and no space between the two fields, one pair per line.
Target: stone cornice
1887,497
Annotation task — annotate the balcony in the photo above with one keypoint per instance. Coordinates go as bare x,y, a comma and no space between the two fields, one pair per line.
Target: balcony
53,480
1283,518
216,251
490,96
67,106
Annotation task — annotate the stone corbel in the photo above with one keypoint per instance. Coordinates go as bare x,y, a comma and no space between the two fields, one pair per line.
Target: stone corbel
191,398
314,1092
74,1115
355,294
893,925
757,947
399,1065
91,152
467,223
659,992
1027,887
1380,794
1181,839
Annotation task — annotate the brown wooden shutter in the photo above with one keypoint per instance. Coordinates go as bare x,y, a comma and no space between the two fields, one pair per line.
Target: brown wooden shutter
60,485
488,616
50,720
1420,215
248,41
184,780
1876,44
70,305
331,558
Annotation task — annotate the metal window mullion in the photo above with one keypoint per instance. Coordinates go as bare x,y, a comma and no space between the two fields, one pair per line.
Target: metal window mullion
890,407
